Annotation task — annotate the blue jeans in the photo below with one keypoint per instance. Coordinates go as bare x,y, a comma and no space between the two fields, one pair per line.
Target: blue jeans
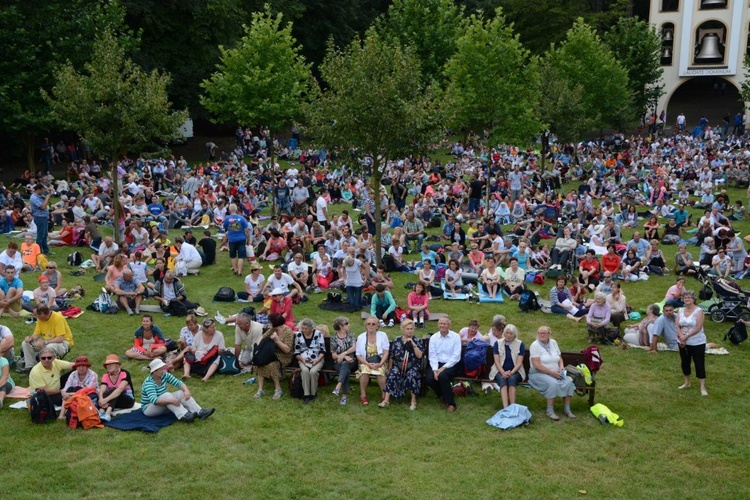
42,229
344,370
354,296
474,204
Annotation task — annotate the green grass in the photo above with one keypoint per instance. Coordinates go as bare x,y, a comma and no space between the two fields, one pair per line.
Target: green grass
674,443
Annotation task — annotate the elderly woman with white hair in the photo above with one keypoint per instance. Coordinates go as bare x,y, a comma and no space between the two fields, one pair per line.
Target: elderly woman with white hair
598,317
547,372
509,354
309,351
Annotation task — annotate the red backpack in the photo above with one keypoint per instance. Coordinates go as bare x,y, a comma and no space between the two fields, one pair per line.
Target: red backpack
593,358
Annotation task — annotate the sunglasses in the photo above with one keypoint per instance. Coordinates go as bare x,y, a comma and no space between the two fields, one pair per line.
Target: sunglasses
46,358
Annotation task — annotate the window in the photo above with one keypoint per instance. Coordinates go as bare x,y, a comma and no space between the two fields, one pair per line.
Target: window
710,38
667,42
670,5
713,4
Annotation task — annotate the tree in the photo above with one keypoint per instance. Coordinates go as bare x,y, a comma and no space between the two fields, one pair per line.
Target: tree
583,59
373,102
745,85
492,84
37,37
263,80
432,27
114,104
637,47
559,104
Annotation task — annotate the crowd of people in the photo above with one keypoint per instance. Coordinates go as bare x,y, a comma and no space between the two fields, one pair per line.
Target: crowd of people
489,220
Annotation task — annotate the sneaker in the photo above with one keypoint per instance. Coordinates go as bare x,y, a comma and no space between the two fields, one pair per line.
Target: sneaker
137,310
336,392
318,290
343,400
205,413
31,321
104,416
220,319
390,323
382,323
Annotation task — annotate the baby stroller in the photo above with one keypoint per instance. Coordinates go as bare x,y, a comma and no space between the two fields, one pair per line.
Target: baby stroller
734,302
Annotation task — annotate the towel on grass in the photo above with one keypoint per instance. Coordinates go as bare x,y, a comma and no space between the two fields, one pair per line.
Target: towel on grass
137,421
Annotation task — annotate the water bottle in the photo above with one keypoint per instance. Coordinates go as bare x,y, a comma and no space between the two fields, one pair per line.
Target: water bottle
603,418
249,381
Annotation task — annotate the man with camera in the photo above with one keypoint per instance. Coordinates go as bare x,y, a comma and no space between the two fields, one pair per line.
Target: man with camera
39,210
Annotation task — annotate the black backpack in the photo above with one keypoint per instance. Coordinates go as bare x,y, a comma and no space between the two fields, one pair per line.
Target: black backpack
75,259
225,294
528,302
295,385
264,352
41,409
737,334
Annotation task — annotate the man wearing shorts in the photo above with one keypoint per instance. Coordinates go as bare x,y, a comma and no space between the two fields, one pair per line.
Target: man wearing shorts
238,234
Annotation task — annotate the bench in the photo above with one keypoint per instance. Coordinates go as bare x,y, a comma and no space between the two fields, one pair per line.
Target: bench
569,358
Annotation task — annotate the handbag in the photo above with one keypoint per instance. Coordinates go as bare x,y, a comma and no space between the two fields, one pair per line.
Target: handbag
228,364
373,359
206,359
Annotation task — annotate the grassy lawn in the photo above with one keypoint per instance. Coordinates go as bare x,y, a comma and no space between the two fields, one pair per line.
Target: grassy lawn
674,443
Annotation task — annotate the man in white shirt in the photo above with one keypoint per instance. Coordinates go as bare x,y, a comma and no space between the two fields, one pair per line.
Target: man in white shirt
187,254
249,333
321,208
107,251
11,257
299,271
444,356
285,282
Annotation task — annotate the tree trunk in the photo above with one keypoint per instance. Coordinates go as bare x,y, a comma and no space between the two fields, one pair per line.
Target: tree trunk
376,176
272,158
489,171
30,151
115,199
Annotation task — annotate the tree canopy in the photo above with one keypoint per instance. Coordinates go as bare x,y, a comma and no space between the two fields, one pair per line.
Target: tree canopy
491,82
263,80
583,59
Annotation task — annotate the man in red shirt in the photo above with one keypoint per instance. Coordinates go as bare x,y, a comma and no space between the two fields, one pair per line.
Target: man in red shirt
589,268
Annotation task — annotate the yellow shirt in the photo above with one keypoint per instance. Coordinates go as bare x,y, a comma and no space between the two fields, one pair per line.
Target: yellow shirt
40,377
55,326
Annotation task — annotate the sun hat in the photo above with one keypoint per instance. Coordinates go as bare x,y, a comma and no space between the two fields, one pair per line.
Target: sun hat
254,265
276,291
111,359
200,311
81,361
156,364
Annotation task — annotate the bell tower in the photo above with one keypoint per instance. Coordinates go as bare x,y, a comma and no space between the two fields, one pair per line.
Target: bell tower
706,41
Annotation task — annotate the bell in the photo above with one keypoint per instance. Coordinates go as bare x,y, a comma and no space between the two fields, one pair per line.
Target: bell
667,54
713,4
710,51
667,36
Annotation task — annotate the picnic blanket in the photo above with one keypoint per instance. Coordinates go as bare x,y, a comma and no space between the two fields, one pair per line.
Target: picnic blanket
137,421
661,346
19,393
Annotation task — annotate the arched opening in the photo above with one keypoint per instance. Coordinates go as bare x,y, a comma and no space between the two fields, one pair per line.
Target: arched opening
710,40
709,96
667,43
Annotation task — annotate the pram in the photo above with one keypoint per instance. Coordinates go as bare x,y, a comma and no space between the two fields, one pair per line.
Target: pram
734,301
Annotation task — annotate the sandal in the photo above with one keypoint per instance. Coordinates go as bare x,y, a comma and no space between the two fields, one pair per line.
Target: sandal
413,406
277,394
570,415
384,404
259,394
553,416
364,401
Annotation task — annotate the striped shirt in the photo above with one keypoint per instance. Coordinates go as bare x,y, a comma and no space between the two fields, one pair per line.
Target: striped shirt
150,391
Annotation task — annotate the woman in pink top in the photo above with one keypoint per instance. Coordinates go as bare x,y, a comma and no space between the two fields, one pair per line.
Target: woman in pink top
418,301
674,294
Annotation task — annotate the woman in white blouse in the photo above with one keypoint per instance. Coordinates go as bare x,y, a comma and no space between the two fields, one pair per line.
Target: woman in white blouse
372,354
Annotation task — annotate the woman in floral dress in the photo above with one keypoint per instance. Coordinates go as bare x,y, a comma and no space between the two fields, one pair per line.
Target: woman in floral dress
405,373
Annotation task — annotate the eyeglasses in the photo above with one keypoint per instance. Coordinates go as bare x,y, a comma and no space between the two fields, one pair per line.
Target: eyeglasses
46,358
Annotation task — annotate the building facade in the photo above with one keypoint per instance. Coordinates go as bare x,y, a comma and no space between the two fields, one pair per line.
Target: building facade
704,43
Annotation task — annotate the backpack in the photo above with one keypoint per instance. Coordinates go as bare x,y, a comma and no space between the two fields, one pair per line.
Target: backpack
528,301
576,375
228,364
333,297
475,358
250,311
295,385
539,279
42,261
705,293
41,409
103,303
737,334
75,259
264,352
225,294
592,358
